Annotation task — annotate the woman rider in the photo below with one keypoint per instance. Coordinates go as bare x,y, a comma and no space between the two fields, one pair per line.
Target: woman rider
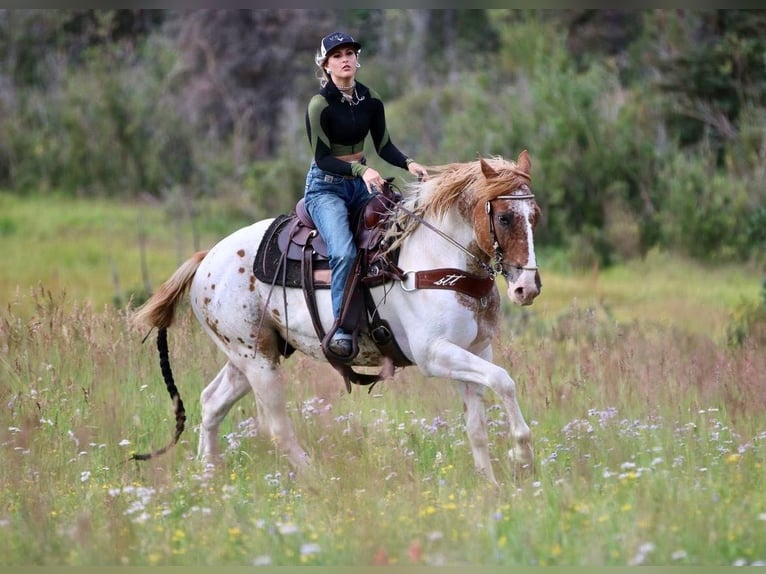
339,182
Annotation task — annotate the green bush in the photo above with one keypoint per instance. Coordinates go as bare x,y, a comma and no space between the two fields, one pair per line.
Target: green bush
703,210
748,322
108,129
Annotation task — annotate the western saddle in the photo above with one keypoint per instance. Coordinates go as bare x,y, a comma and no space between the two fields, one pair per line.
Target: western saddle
293,254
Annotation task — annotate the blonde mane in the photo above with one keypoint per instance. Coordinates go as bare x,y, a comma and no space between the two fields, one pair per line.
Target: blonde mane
454,184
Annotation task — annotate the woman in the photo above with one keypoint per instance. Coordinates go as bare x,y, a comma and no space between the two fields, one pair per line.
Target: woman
339,182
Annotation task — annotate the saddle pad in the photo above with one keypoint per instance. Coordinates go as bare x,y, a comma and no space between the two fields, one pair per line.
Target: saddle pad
270,265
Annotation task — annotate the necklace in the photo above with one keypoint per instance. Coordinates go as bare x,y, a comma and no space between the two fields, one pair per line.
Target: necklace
352,86
352,97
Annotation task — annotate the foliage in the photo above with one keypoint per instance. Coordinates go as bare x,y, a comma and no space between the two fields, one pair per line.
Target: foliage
748,322
98,135
613,106
595,169
713,66
704,211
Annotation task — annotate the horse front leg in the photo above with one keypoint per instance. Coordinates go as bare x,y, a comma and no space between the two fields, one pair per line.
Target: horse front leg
451,361
476,427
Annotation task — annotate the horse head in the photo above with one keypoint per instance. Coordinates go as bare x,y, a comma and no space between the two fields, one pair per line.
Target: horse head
505,215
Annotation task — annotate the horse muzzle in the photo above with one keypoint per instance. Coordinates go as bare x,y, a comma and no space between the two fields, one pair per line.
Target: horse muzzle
525,287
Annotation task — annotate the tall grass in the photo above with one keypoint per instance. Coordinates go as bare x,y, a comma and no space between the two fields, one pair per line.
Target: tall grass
649,436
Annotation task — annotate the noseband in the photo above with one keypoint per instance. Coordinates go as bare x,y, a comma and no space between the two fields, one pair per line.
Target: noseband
497,265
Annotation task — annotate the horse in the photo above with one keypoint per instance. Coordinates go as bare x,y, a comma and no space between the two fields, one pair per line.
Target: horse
464,224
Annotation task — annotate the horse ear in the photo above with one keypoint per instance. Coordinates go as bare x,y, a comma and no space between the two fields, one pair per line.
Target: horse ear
486,169
524,163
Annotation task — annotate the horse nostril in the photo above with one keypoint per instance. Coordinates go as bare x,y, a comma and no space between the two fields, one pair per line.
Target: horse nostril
519,291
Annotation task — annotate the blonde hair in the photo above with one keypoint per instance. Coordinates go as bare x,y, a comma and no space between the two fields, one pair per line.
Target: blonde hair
322,74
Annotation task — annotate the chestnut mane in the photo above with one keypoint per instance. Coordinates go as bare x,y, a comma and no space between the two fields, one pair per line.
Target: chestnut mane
461,184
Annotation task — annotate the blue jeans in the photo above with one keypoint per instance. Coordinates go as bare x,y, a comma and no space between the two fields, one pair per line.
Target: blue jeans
330,199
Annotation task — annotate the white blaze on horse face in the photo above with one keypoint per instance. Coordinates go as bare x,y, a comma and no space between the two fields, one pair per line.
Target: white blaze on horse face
527,215
526,286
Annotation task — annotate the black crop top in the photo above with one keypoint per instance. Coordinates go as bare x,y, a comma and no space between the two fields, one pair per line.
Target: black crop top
335,128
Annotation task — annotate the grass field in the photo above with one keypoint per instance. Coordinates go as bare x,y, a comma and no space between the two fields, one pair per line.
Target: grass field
649,430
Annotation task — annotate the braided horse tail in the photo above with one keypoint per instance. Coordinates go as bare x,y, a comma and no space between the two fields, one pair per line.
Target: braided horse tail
159,312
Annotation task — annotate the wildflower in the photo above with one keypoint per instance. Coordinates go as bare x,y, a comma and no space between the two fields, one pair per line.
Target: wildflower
733,457
643,551
678,555
154,558
310,548
380,558
287,528
415,551
427,511
124,442
263,560
85,476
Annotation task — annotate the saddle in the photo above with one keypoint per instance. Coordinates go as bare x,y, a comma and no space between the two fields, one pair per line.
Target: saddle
293,254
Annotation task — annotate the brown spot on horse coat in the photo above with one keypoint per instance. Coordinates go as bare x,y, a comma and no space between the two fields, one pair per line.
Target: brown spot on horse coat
241,252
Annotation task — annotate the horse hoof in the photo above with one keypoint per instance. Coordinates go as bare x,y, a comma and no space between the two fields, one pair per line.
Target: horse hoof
522,458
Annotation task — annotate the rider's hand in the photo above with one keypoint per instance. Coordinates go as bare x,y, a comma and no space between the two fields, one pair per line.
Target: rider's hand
373,180
417,170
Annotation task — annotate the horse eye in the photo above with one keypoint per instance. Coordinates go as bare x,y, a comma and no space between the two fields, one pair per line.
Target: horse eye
505,220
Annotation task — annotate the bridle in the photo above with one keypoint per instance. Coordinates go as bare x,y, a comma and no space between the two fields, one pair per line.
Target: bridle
497,267
497,264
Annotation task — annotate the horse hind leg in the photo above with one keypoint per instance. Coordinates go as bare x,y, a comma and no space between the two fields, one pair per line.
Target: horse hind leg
267,383
216,400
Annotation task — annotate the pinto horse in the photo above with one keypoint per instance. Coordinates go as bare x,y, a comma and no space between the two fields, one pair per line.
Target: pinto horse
468,221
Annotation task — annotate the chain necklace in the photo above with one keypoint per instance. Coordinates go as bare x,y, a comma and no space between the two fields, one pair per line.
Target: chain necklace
351,97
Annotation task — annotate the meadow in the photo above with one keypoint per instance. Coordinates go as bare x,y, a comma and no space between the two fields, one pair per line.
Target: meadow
649,429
